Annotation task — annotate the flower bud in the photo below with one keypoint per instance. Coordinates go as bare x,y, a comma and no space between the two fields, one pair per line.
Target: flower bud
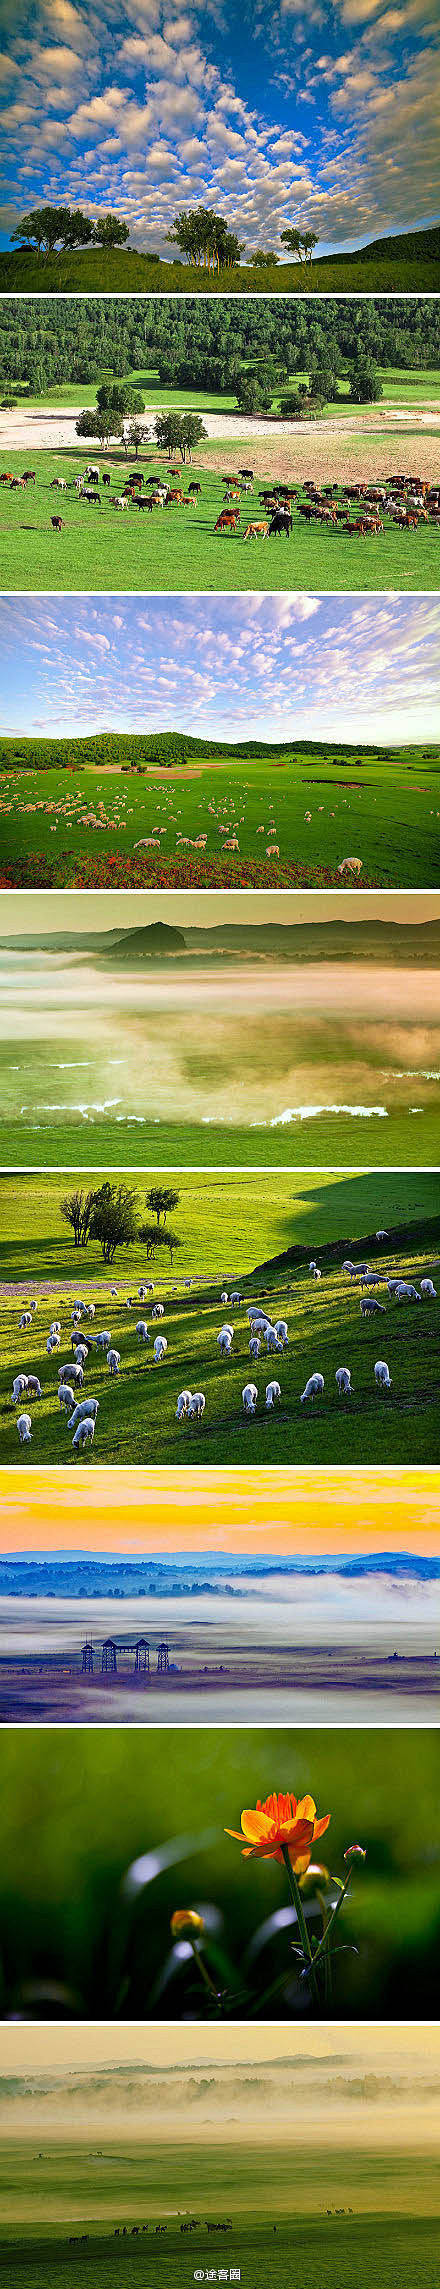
355,1852
186,1920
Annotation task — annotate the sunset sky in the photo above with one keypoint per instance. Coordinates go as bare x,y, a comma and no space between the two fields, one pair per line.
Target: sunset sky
23,912
255,1511
323,114
271,667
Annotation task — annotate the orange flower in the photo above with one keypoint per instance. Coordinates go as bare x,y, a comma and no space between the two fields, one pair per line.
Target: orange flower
186,1920
282,1820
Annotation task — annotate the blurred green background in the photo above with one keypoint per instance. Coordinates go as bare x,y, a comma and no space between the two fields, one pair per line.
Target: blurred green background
82,1929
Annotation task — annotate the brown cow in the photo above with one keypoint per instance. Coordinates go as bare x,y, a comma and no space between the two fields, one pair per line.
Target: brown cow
227,520
57,524
253,531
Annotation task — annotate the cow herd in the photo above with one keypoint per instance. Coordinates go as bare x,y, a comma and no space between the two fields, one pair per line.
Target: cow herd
365,508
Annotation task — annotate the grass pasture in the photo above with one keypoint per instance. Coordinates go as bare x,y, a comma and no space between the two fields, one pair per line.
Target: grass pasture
136,1422
385,807
403,263
178,549
328,2251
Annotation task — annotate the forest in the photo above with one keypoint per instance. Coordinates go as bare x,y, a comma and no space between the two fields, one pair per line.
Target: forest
45,343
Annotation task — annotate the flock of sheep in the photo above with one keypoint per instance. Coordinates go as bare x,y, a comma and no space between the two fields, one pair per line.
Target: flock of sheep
264,1331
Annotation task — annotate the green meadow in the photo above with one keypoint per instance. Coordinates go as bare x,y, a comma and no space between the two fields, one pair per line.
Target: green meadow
403,264
233,1232
400,386
178,549
78,822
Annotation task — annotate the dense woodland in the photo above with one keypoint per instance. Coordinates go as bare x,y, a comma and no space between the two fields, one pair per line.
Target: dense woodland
132,750
205,344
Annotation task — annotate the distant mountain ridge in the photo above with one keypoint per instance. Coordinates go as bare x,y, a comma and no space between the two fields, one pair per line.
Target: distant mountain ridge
87,1576
337,940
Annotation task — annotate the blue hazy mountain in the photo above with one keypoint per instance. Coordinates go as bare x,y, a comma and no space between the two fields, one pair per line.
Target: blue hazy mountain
76,1574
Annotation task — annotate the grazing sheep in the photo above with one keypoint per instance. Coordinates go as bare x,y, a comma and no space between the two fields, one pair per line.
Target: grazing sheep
235,1297
89,1310
85,1410
113,1361
427,1288
382,1375
33,1305
249,1397
312,1265
160,1347
224,1298
347,1264
85,1432
196,1407
183,1403
24,1427
254,1347
314,1388
407,1293
53,1344
80,1353
382,1235
316,1274
142,1331
66,1396
273,1393
26,1319
19,1387
343,1380
34,1387
55,1327
158,1311
73,1369
224,1340
369,1304
272,1340
103,1339
281,1330
393,1285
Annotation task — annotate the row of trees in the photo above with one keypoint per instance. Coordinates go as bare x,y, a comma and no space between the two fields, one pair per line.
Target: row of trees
203,237
117,415
111,1216
52,230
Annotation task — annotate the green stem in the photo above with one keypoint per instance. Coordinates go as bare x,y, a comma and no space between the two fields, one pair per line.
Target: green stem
301,1921
324,1942
204,1973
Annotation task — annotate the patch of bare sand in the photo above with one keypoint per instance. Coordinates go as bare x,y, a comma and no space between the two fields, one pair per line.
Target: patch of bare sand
333,453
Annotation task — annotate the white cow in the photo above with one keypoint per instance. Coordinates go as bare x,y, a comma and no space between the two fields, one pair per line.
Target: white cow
273,1393
183,1403
343,1380
382,1374
249,1397
24,1427
313,1388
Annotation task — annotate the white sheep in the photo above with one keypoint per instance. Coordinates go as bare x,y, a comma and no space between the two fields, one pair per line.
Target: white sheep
382,1374
26,1319
254,1347
103,1339
369,1304
224,1298
53,1344
312,1265
224,1340
348,1266
19,1387
235,1297
85,1432
24,1427
183,1403
249,1397
407,1293
158,1311
80,1354
313,1388
427,1288
316,1274
66,1396
196,1407
273,1393
393,1285
160,1347
113,1360
86,1410
34,1387
281,1330
55,1327
272,1340
89,1310
71,1370
343,1380
142,1331
382,1234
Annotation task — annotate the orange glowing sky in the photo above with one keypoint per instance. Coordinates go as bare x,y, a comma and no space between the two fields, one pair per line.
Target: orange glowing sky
257,1511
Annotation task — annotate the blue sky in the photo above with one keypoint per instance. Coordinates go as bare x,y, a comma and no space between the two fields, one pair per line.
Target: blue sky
361,667
271,111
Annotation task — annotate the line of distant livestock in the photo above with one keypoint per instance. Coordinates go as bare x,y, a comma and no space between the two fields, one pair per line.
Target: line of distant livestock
354,508
82,1414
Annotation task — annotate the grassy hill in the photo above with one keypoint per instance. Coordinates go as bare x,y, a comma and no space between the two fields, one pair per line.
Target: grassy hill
408,262
296,941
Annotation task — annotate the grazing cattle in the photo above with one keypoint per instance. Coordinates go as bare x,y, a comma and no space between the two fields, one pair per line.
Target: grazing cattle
92,475
57,524
194,488
58,485
281,522
227,520
106,478
120,502
87,495
257,531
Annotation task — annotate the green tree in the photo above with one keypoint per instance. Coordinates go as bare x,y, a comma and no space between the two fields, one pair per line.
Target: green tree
154,1236
114,1219
94,424
76,1210
263,259
365,384
110,231
162,1199
49,227
192,429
